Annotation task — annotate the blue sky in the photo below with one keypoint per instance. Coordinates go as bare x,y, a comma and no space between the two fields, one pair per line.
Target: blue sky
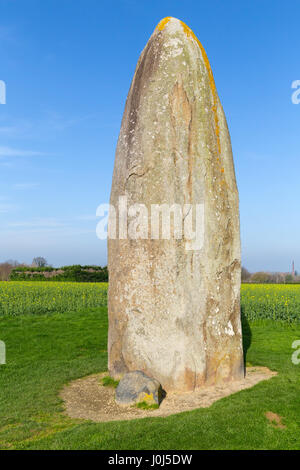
68,64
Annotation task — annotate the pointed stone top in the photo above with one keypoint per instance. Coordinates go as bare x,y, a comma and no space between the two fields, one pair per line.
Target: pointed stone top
173,25
168,20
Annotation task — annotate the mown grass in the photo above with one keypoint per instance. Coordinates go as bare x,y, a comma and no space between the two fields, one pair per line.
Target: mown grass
109,382
46,351
143,405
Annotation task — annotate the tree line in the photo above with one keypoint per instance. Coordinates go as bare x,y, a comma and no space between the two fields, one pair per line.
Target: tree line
40,270
263,277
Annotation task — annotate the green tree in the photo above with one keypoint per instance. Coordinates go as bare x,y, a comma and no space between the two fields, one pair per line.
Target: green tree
39,262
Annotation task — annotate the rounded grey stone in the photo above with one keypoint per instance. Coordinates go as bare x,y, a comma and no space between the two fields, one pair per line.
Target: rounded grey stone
136,387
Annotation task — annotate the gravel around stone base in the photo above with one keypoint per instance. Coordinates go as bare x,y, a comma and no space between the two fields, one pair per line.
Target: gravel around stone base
87,398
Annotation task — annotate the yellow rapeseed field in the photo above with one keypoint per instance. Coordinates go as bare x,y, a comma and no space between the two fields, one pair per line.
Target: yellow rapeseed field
258,301
42,297
271,301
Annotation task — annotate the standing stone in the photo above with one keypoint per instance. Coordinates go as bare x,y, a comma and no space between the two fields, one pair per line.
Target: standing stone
174,312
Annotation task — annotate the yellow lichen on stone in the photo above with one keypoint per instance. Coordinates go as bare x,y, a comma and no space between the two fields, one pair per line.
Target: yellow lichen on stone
191,34
162,24
148,398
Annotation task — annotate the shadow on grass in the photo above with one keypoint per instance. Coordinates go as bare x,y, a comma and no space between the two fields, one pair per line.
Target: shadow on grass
247,335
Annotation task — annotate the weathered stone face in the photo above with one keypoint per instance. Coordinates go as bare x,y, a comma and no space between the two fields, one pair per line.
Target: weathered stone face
174,312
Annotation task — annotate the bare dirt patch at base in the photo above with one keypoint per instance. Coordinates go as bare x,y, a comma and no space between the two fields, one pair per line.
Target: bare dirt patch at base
275,420
87,398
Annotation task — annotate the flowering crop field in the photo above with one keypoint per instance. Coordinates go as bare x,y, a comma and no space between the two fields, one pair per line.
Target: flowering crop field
18,297
271,301
258,301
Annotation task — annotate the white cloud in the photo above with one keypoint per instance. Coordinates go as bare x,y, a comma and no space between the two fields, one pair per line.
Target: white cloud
7,130
6,207
58,122
38,223
69,226
87,217
12,152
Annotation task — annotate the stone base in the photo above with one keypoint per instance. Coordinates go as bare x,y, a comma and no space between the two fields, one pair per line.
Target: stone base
86,398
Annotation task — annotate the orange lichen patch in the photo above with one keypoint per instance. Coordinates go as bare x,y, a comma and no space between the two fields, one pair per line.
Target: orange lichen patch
162,24
222,170
180,105
191,34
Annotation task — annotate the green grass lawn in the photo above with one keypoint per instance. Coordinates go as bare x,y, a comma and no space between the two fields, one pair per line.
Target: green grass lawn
46,351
